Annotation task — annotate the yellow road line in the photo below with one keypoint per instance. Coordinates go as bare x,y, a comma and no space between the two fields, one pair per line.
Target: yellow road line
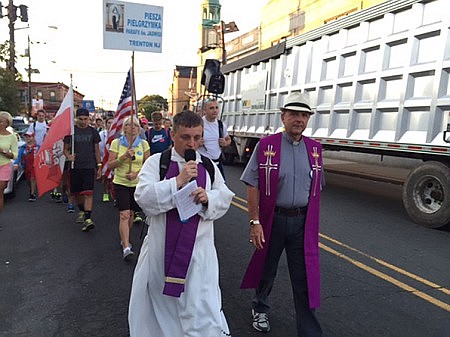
239,206
240,199
388,278
375,272
388,265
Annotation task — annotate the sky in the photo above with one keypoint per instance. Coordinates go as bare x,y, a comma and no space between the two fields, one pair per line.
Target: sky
67,38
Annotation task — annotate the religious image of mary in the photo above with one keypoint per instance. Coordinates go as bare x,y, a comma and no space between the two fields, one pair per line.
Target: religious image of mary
114,20
115,17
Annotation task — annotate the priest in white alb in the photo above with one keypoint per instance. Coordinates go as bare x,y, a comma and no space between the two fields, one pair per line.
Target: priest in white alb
175,290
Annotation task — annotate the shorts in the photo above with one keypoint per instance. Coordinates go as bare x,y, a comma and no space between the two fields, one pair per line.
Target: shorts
67,165
82,181
29,173
5,172
125,198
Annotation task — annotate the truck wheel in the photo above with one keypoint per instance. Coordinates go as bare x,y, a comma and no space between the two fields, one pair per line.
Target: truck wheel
426,194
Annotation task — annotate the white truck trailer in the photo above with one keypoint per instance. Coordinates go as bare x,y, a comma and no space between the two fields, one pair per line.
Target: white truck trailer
378,81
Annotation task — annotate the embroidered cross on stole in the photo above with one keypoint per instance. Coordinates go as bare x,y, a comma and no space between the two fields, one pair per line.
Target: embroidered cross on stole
268,166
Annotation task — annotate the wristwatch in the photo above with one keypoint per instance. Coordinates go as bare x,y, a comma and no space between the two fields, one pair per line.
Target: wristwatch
254,223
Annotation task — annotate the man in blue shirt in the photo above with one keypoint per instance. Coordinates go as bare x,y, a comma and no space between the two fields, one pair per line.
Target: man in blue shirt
158,138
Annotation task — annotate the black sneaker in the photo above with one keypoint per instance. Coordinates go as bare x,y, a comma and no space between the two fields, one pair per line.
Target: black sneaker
128,254
88,224
32,198
58,198
260,321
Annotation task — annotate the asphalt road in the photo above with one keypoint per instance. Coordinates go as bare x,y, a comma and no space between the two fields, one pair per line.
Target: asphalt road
382,275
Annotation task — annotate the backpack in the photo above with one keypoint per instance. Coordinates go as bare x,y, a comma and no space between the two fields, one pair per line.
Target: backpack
164,162
34,125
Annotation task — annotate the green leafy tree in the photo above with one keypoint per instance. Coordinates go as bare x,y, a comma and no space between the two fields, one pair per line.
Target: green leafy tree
9,92
150,103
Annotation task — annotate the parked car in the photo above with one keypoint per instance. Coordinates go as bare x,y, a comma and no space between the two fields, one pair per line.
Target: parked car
20,124
17,170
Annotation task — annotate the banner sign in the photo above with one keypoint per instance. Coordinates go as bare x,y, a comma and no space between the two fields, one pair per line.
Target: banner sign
88,105
36,104
131,26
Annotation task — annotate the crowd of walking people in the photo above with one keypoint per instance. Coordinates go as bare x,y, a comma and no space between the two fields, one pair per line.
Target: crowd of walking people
175,290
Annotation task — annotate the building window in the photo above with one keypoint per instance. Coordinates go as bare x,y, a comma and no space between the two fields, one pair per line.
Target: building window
52,96
296,21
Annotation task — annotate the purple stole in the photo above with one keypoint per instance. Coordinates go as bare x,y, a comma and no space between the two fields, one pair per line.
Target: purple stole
268,166
180,240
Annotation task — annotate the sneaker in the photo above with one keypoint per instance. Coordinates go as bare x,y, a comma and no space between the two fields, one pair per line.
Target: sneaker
71,209
260,321
80,217
32,198
58,198
88,225
105,197
128,254
137,218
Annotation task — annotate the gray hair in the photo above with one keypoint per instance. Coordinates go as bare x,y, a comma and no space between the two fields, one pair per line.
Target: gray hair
128,121
8,117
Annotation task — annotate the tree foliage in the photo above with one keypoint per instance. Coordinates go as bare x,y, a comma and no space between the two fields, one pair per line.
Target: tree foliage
150,103
9,92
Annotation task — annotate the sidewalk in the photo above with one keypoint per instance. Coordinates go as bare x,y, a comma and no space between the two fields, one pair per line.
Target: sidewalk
393,175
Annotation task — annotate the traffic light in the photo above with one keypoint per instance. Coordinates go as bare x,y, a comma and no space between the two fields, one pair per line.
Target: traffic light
212,78
23,13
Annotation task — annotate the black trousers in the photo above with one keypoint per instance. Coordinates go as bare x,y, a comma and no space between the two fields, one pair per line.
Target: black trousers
288,234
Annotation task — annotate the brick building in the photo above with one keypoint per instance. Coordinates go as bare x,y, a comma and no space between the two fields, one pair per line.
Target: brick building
51,93
183,89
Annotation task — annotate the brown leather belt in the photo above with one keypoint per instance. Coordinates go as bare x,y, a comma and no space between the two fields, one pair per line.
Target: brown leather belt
291,212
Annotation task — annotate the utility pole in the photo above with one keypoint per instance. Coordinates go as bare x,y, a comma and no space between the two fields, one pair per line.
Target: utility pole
30,102
12,16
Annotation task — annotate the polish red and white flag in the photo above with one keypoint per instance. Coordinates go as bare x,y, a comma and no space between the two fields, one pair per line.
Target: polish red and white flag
49,161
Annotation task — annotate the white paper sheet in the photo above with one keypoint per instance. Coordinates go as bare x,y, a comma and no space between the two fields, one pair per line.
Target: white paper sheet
184,201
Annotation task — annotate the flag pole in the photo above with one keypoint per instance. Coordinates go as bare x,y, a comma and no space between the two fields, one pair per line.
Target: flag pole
72,131
133,88
133,105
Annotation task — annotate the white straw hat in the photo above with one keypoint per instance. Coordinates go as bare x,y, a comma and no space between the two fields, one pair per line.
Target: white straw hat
297,101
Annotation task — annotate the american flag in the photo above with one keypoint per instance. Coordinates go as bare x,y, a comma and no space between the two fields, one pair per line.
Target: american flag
124,109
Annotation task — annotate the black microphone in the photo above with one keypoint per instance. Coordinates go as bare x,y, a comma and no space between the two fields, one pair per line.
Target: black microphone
189,154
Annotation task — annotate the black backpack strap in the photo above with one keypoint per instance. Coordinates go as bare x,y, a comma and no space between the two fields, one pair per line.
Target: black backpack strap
209,166
164,163
220,128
